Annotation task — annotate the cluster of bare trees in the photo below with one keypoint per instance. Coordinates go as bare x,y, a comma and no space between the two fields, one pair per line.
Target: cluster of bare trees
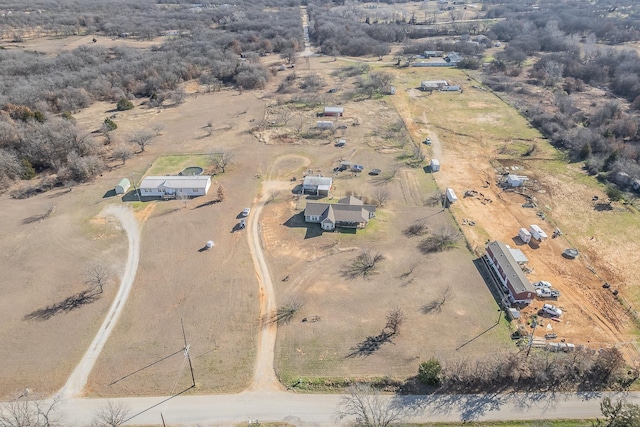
538,370
30,411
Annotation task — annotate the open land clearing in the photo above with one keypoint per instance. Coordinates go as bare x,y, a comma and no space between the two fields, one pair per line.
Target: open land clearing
215,291
478,137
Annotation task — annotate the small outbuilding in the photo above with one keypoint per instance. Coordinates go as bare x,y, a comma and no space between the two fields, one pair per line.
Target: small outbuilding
317,185
333,111
435,165
123,186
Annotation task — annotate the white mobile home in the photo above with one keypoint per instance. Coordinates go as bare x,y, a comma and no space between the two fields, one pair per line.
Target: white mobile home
172,186
435,165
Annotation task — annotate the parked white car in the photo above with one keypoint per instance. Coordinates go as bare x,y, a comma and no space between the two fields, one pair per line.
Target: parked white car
542,284
551,310
245,211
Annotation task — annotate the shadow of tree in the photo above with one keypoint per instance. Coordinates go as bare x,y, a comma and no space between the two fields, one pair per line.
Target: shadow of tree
64,306
370,345
435,306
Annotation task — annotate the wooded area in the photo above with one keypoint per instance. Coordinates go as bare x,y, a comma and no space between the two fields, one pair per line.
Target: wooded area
214,44
565,49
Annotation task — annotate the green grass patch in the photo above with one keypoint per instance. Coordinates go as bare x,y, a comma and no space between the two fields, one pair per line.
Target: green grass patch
174,164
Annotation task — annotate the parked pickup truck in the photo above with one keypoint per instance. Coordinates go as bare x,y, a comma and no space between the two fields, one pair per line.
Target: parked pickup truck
547,293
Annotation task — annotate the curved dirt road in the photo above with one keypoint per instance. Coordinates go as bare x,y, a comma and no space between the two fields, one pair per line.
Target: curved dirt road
78,378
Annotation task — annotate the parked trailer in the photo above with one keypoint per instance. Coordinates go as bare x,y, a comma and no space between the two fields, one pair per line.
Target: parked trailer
537,232
451,195
524,235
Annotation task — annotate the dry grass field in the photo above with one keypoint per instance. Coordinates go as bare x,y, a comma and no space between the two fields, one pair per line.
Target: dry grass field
271,138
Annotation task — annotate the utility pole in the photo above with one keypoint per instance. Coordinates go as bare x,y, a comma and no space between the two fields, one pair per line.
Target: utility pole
133,181
535,325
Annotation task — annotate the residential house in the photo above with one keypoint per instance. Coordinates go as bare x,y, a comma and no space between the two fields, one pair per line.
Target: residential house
453,58
349,212
172,186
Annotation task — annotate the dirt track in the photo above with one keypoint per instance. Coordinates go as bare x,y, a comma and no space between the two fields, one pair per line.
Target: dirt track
78,379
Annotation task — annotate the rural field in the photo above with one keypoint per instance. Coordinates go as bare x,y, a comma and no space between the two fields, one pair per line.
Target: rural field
50,240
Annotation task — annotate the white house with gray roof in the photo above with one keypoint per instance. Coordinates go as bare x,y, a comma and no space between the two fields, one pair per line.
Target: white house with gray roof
172,186
349,212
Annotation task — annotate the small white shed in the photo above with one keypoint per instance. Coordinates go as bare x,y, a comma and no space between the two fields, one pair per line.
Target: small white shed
451,195
435,165
537,232
123,186
524,235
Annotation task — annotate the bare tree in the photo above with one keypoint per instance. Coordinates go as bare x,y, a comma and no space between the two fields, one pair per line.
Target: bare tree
394,319
221,159
435,306
445,238
157,128
416,229
364,265
286,313
141,138
29,413
97,276
221,193
183,197
113,414
435,199
389,176
369,407
381,195
286,115
122,152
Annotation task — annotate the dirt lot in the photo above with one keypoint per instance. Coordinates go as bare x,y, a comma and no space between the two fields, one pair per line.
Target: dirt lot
477,137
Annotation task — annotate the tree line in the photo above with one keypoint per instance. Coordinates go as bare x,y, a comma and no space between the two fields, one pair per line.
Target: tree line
572,49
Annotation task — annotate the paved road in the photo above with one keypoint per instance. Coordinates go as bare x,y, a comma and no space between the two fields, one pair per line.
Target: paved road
78,379
320,410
